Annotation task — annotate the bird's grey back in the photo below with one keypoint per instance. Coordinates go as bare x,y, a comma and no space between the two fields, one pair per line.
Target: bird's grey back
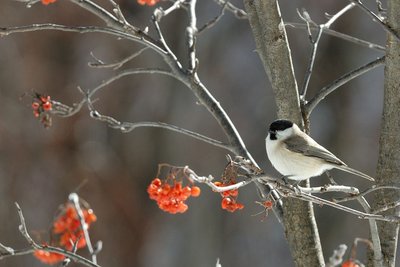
300,144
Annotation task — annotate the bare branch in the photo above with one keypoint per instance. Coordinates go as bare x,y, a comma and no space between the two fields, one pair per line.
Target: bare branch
63,110
214,21
360,214
289,191
191,31
373,228
386,207
141,37
315,43
116,65
338,35
208,181
130,126
16,252
376,18
170,57
239,13
309,107
130,72
93,8
74,198
330,188
100,12
5,250
366,192
162,13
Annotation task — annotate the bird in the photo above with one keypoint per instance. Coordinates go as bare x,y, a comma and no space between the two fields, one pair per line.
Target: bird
297,156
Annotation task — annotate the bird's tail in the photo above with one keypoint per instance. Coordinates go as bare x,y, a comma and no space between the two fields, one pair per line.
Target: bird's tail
355,172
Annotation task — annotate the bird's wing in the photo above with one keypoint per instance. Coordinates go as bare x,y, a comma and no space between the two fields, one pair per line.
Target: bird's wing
310,148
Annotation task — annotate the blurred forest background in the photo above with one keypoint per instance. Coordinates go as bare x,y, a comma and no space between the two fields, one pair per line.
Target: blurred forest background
39,167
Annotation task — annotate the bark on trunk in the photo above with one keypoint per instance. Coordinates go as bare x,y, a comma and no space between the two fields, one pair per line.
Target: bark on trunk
271,41
388,171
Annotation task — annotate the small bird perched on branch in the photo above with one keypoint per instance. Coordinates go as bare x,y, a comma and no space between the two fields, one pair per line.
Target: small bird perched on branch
297,156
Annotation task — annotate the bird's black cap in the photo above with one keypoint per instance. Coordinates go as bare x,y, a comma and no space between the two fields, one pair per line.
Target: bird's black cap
280,125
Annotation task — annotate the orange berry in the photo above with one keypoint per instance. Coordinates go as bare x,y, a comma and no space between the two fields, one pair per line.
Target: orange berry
156,182
89,216
44,99
230,204
233,193
147,2
166,188
268,204
195,191
178,186
46,2
187,191
35,105
226,201
47,106
239,206
218,183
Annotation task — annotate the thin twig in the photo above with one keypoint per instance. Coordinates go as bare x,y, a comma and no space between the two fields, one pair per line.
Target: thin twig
74,198
330,188
360,214
373,229
175,6
191,32
100,12
130,72
315,43
4,250
325,91
116,65
29,3
387,206
140,38
63,110
376,18
130,126
17,252
340,35
170,57
214,21
239,13
366,192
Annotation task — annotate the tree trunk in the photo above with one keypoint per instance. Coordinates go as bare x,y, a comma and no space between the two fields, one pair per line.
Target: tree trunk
272,46
388,171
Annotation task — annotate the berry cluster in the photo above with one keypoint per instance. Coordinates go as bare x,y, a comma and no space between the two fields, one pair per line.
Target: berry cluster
148,2
229,198
41,106
68,232
46,2
171,198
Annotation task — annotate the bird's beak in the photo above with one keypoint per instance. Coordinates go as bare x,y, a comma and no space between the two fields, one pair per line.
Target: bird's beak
271,132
